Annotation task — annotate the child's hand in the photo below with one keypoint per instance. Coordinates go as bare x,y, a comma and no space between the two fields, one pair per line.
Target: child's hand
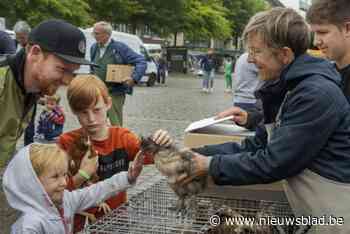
89,216
89,164
135,167
105,207
162,137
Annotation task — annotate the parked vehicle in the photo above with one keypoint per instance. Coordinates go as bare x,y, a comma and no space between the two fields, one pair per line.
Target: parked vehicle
154,49
11,33
135,43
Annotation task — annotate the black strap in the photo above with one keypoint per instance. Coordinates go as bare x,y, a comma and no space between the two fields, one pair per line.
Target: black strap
93,52
3,61
7,60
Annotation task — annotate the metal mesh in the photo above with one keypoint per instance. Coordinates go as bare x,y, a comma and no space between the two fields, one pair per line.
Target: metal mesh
148,211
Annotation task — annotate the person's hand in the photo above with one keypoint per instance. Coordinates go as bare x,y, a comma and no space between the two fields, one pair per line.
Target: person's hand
89,163
240,116
201,168
162,137
129,83
135,167
201,164
104,207
90,217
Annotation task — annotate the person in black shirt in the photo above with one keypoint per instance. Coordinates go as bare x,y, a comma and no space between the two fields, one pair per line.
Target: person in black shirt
330,21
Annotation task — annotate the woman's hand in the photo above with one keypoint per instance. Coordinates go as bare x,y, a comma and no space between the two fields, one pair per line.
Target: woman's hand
240,116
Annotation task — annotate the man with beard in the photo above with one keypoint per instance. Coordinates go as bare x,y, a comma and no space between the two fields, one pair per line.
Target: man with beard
55,50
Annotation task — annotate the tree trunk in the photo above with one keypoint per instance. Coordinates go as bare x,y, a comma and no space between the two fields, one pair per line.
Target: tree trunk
175,38
133,28
236,42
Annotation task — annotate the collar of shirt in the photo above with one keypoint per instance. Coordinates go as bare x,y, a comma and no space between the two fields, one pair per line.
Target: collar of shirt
104,46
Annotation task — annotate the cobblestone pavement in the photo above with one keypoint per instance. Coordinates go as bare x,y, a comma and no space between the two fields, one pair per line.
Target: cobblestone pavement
171,107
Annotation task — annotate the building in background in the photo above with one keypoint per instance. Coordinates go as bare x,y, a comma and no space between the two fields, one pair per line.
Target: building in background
299,5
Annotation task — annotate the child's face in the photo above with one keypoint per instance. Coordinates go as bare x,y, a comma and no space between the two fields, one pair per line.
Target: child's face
54,182
51,104
94,118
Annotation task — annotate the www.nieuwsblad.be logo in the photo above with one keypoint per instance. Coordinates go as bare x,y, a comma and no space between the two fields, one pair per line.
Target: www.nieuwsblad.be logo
216,220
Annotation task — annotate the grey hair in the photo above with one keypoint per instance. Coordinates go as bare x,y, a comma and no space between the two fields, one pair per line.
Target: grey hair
280,27
105,25
22,27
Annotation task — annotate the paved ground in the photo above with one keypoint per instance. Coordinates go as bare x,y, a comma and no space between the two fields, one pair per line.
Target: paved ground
171,107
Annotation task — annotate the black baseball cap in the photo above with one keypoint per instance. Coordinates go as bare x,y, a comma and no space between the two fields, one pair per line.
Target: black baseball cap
62,39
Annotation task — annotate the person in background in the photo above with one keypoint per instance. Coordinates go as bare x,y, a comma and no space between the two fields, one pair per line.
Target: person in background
162,69
228,65
51,120
108,51
246,83
208,66
7,44
22,30
247,109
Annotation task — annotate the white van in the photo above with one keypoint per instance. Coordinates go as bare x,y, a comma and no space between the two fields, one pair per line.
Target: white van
153,49
135,43
11,33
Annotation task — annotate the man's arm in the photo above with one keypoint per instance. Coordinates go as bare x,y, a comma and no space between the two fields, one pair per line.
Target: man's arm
129,56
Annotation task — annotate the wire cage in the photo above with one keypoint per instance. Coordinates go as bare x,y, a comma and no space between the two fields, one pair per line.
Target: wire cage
150,211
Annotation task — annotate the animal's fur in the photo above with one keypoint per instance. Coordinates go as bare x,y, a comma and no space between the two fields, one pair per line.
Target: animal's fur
178,167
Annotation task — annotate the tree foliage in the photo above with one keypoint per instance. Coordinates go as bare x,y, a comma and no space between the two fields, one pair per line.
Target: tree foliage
198,19
240,11
114,11
35,11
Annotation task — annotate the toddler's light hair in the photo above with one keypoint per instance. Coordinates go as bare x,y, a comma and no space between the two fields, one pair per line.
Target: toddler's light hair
44,156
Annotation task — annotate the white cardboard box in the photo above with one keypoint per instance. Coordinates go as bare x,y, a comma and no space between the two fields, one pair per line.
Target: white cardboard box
213,131
118,73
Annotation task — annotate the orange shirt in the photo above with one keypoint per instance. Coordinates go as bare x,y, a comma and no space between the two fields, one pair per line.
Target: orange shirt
114,153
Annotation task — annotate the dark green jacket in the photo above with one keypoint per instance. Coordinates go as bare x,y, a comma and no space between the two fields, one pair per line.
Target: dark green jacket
16,105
